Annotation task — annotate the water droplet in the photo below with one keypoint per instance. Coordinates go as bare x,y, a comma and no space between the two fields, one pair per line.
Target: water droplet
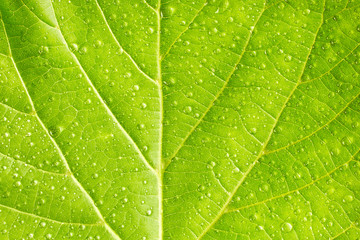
330,191
288,58
201,188
286,227
264,188
98,44
141,126
211,164
188,109
262,66
348,198
83,50
307,12
346,141
148,212
74,47
253,130
143,105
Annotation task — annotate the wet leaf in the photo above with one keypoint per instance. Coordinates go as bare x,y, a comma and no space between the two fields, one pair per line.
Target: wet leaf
146,119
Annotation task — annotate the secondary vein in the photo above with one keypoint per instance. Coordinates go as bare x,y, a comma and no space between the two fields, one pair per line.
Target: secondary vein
82,189
118,43
297,189
147,163
49,219
217,95
317,130
261,152
181,33
32,166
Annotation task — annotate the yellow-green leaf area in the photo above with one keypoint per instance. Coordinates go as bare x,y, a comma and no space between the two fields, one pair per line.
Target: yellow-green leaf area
186,120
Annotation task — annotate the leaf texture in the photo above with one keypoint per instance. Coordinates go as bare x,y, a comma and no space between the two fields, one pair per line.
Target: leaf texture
209,119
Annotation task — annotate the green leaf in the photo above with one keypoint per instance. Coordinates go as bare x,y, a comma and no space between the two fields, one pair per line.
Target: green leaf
208,119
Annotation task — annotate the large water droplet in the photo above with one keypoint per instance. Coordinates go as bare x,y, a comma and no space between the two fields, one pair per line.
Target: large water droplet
286,227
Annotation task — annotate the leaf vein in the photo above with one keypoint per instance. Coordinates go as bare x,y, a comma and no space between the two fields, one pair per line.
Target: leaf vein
118,43
187,28
218,94
86,194
343,59
49,219
297,189
107,107
31,166
317,130
261,153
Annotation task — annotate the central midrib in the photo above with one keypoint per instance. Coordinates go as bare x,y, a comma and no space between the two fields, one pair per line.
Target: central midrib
163,165
160,167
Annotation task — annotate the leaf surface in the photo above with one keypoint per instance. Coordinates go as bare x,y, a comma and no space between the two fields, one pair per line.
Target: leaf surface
209,119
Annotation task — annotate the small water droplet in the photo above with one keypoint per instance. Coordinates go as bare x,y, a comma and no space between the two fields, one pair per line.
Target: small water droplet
348,198
148,212
286,227
288,58
188,109
306,11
